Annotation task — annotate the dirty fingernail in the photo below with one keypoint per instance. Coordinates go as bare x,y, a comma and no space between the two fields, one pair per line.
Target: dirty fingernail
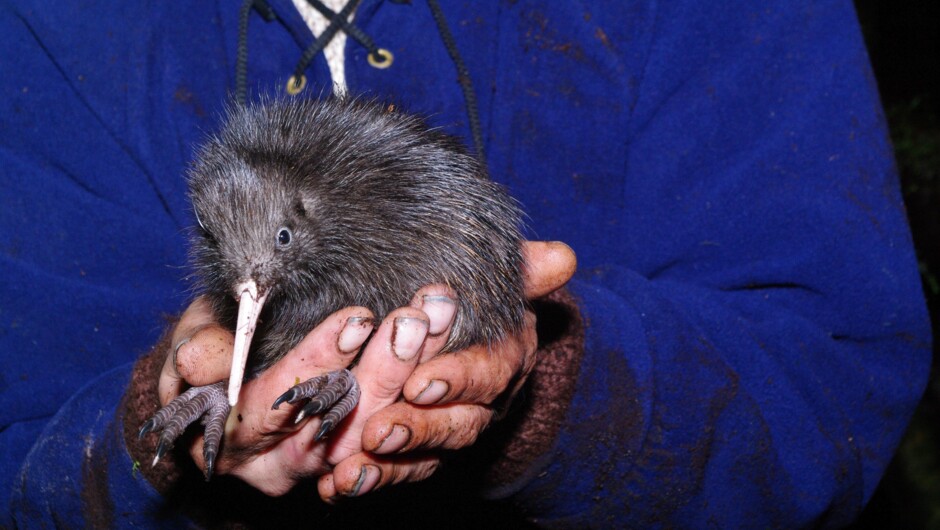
180,344
440,309
408,336
398,438
431,393
369,476
355,332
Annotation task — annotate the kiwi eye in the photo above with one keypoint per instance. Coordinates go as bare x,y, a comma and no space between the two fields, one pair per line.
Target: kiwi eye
284,237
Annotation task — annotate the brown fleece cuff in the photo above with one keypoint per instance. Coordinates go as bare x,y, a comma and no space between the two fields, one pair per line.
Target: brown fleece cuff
226,502
530,428
141,401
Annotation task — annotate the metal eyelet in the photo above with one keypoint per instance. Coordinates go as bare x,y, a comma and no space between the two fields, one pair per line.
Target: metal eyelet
293,87
384,59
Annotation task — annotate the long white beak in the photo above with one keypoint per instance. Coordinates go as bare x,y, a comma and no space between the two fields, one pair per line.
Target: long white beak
249,307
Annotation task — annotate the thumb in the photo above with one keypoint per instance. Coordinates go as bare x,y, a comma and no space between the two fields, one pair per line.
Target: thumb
548,266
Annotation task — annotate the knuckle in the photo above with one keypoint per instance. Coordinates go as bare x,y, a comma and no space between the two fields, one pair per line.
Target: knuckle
270,425
463,438
508,369
271,488
484,376
264,479
421,429
528,363
462,428
414,472
425,470
385,389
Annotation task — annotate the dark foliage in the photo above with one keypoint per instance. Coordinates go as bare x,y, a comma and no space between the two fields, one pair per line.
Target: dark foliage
904,44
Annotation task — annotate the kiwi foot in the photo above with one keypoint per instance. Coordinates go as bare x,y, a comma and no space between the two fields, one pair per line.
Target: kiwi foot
207,402
334,392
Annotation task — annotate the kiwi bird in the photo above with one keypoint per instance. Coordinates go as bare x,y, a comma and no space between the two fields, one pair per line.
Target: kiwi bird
304,207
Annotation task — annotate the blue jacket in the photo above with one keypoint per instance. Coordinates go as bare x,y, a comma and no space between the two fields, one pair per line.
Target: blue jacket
756,334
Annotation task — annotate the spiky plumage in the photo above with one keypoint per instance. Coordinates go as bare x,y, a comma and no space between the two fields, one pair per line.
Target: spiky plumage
376,205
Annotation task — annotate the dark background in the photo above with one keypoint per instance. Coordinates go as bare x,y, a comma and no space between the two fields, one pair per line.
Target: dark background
903,39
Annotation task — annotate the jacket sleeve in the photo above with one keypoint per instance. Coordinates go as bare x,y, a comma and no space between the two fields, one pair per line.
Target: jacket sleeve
79,473
91,227
758,340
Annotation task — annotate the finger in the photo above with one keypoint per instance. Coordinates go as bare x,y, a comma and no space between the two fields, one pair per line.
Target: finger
362,473
277,469
383,368
197,316
261,443
206,356
439,303
272,463
478,374
267,474
330,346
549,266
327,489
403,427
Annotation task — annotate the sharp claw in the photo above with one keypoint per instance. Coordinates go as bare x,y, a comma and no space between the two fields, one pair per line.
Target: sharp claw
309,409
146,428
210,466
335,392
287,397
325,427
208,404
161,450
314,407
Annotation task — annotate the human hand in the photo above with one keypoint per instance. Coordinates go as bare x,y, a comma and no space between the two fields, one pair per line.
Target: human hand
264,447
450,398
